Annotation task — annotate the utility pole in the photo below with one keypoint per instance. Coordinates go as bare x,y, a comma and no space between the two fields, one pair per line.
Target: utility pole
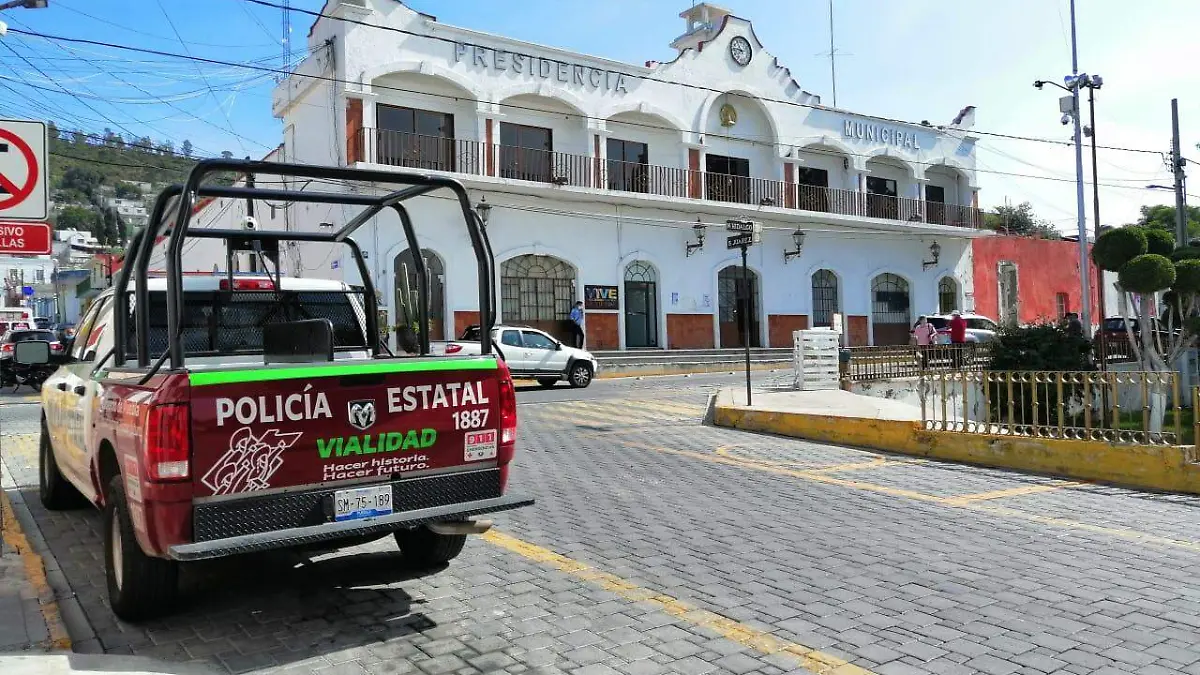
1085,299
832,56
1095,83
1181,232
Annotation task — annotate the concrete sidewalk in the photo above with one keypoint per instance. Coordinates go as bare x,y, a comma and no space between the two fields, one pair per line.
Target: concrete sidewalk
830,402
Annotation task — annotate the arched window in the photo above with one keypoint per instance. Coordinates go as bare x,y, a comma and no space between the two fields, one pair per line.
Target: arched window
537,290
824,298
641,305
947,295
407,308
738,304
891,313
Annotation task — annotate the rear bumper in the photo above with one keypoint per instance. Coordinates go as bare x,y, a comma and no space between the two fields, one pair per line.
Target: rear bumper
299,536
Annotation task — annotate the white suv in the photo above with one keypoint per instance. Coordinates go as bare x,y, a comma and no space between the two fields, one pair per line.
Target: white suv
532,353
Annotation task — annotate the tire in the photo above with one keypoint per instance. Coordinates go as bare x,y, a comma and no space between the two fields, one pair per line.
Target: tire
139,586
55,492
579,375
424,548
547,382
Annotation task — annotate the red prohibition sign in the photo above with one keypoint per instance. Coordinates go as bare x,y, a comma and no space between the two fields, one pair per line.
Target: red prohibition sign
16,195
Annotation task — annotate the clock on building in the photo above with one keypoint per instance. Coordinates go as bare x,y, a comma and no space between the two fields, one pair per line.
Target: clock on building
739,49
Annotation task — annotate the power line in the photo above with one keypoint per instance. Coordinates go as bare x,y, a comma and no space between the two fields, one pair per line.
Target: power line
336,80
648,78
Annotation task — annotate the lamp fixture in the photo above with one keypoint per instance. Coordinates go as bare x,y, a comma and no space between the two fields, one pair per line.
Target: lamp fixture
484,209
935,251
798,240
692,247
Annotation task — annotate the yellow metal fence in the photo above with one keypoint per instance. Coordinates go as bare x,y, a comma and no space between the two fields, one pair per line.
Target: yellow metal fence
1119,407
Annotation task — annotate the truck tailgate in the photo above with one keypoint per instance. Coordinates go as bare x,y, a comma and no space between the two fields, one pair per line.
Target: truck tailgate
280,429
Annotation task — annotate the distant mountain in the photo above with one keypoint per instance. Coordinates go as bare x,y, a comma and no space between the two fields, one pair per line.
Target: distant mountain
115,159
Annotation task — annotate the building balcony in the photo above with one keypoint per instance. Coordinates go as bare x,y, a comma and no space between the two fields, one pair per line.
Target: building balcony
431,153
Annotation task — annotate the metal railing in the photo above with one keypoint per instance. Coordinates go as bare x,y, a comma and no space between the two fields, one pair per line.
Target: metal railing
435,153
868,364
416,151
1139,408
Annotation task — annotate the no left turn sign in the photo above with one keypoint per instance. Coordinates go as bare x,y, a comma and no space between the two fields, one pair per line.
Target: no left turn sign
24,185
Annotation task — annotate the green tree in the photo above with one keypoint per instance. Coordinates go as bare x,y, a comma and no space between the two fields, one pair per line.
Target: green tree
82,179
126,191
1142,273
1162,217
77,218
225,154
186,148
1019,220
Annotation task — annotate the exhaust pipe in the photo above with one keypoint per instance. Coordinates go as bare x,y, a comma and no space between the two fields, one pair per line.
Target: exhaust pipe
461,527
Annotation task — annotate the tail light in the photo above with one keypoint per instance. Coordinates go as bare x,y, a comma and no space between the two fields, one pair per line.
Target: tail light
6,347
248,285
508,417
167,442
453,348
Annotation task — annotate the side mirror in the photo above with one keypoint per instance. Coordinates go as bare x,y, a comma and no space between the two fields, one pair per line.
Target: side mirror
558,346
32,352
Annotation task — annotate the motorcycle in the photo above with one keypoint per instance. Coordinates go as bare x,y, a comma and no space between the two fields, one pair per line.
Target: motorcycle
31,375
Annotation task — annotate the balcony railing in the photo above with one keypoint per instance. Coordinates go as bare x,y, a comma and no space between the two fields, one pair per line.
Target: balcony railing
395,148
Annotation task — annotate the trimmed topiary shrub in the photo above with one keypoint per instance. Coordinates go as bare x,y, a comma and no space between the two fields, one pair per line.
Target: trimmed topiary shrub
1116,247
1159,242
1147,273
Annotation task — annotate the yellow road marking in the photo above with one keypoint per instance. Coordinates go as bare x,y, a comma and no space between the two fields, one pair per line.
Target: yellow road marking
1011,492
875,463
35,571
758,640
979,506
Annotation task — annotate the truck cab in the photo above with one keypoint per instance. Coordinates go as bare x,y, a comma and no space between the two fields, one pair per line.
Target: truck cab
214,415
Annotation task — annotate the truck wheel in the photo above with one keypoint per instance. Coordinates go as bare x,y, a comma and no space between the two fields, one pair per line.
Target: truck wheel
580,375
422,547
547,382
55,492
139,587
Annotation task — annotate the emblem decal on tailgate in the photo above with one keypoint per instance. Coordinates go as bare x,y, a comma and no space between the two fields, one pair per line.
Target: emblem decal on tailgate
250,461
362,414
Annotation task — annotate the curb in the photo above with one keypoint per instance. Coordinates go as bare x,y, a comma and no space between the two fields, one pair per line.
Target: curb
36,572
69,616
1158,468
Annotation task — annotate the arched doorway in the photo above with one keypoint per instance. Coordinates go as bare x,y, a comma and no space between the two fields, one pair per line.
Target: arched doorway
947,295
407,307
641,305
824,298
891,313
538,291
737,302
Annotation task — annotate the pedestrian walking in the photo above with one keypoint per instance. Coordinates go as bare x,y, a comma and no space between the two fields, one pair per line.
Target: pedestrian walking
925,334
577,335
1074,325
958,336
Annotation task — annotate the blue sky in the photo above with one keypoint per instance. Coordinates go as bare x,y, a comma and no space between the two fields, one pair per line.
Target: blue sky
914,60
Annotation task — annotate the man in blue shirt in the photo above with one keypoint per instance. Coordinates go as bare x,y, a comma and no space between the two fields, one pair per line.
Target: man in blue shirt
577,325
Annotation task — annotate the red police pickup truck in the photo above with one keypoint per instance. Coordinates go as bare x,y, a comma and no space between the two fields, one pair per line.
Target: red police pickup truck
215,415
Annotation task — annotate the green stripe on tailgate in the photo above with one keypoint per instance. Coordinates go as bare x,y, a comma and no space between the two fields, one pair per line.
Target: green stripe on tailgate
202,379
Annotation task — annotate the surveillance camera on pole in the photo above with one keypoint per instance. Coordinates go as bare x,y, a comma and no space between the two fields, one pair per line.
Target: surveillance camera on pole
249,224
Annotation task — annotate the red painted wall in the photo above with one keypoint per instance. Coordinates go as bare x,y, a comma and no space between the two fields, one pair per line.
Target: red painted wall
1044,269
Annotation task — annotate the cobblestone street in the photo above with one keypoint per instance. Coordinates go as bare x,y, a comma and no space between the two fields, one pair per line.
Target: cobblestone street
660,545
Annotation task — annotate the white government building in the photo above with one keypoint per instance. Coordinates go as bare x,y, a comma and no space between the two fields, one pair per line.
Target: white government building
603,178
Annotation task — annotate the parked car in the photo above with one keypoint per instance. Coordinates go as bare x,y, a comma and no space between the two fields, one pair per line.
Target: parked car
530,352
8,343
979,327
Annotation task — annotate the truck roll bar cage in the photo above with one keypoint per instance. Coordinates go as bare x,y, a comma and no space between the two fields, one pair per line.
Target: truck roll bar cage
181,200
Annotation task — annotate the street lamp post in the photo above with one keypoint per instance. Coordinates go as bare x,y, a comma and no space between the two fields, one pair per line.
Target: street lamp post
13,4
1074,83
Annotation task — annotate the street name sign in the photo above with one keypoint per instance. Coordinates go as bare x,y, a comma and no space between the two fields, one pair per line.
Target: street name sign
740,240
24,184
24,238
740,225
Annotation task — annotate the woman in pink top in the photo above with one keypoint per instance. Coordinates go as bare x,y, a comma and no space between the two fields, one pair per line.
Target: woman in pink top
925,333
